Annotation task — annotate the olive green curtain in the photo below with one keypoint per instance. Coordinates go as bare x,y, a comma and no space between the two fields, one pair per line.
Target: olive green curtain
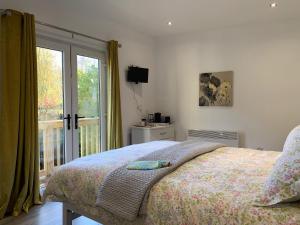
114,119
19,154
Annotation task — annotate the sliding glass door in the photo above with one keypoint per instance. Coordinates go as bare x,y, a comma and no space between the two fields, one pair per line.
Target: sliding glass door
69,103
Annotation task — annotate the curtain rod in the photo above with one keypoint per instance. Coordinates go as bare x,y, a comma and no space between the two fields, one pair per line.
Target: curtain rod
7,12
72,32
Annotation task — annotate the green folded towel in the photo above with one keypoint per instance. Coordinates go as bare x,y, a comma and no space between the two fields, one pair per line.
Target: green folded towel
148,165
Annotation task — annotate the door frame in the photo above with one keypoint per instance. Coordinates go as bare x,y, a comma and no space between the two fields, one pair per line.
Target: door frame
67,104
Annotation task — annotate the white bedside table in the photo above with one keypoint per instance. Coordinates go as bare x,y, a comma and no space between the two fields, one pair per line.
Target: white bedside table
146,134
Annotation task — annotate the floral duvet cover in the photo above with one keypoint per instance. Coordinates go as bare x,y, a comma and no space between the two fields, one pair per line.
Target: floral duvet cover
215,188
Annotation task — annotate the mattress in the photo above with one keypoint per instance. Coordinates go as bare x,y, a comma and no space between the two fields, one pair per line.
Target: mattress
215,188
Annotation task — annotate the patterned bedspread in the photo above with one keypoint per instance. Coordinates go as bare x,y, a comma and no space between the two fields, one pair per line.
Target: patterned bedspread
214,188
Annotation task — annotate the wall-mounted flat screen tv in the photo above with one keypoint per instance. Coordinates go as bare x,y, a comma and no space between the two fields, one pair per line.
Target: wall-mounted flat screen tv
137,74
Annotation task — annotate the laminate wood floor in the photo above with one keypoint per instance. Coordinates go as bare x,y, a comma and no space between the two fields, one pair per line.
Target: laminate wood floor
47,214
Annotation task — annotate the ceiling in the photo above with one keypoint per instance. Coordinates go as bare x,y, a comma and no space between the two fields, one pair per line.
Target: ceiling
152,16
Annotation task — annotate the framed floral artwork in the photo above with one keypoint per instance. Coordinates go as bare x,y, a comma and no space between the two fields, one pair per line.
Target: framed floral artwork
216,89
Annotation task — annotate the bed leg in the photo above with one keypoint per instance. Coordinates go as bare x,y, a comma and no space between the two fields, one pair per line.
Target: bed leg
67,216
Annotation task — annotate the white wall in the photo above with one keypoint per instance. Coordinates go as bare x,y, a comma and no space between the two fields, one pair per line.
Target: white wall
266,64
265,60
137,48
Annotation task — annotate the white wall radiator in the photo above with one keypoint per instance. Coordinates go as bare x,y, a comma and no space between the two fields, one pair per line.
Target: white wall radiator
228,138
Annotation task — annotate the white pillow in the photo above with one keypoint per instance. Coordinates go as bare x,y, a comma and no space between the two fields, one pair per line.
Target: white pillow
283,184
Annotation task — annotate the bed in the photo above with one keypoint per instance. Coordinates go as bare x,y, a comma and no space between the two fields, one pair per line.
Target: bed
218,187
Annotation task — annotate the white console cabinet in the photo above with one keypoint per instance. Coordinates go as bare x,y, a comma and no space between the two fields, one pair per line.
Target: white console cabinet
146,134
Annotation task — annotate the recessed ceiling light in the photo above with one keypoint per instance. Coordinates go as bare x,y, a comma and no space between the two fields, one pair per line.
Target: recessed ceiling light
169,23
273,5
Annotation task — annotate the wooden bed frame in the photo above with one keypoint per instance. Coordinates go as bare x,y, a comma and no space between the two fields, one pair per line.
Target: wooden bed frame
70,213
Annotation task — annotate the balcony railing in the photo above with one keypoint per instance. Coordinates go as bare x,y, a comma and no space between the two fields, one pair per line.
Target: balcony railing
52,142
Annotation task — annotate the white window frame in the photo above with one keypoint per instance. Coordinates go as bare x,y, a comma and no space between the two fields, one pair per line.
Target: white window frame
75,50
64,41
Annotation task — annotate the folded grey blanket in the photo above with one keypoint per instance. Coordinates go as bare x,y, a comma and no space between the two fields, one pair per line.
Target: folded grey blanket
125,192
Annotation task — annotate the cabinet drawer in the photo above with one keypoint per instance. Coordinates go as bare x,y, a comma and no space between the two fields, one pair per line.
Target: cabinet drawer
146,134
162,133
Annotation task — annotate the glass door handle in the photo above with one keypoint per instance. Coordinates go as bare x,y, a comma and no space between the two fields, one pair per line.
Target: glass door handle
68,118
76,120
